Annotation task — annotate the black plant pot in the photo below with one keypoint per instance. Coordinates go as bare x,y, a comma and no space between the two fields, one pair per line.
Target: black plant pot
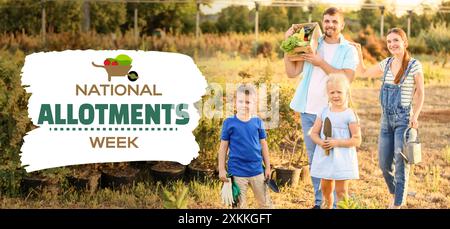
39,184
116,178
85,181
288,176
168,171
200,174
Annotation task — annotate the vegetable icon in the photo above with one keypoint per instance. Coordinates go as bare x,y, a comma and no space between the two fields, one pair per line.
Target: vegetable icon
118,66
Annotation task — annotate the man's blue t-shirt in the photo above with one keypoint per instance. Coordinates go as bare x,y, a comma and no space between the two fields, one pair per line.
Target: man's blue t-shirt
245,155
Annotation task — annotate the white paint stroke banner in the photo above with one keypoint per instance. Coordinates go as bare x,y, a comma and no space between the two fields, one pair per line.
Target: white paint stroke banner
110,106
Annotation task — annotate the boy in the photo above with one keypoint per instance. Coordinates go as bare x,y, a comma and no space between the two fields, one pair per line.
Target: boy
245,138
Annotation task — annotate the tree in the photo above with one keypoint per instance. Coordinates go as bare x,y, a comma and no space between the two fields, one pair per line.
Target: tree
317,12
234,18
370,17
170,17
297,15
437,38
352,21
106,17
20,16
273,19
443,16
208,27
63,16
391,20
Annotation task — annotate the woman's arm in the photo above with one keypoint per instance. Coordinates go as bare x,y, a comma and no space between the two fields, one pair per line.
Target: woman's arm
373,71
419,97
223,149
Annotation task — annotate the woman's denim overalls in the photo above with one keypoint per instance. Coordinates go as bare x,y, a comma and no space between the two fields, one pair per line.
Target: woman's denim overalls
394,121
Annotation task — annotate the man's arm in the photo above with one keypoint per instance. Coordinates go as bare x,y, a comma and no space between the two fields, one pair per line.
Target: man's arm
328,69
316,60
293,68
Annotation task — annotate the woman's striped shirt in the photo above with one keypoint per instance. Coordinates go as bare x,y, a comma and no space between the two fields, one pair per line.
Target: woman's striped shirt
408,85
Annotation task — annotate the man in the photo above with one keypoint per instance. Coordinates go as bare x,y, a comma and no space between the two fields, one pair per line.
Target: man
334,55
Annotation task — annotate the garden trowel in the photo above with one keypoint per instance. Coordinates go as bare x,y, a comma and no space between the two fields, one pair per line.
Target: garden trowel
327,130
272,184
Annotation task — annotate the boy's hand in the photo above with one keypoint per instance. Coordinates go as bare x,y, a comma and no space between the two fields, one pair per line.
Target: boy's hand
267,172
223,175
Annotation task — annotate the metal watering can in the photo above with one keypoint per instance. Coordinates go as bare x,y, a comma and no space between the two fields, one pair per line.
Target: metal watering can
412,151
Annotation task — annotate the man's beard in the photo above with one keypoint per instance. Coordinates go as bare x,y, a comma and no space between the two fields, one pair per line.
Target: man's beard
329,34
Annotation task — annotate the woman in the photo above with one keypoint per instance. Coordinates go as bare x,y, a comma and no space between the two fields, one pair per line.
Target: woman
402,87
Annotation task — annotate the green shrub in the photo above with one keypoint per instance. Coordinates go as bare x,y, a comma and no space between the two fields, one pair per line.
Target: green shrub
437,38
14,121
348,203
207,135
176,199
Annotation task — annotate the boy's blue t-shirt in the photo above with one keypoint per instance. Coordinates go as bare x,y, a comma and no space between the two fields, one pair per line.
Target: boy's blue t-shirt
245,155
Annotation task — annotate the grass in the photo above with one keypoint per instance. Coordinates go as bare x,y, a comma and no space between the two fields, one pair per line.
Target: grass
447,154
433,178
225,69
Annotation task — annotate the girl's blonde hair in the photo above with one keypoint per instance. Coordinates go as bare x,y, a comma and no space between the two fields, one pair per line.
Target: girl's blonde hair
336,78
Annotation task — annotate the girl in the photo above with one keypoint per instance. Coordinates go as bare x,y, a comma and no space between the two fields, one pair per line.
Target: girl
402,85
341,164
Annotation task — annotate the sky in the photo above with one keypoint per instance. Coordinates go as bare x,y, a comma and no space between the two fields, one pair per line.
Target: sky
401,5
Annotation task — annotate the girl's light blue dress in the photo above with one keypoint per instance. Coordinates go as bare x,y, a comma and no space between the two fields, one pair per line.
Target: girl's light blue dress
342,163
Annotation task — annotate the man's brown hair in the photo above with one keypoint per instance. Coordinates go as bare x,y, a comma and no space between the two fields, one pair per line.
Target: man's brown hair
334,11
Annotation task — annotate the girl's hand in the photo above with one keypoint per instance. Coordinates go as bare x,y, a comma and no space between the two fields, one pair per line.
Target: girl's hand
322,144
223,175
330,143
413,122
